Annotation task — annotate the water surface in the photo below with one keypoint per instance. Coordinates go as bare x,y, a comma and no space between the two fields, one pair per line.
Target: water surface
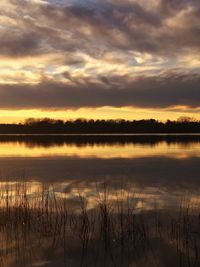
157,167
156,172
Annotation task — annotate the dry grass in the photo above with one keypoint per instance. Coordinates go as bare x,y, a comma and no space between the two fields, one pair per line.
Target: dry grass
112,234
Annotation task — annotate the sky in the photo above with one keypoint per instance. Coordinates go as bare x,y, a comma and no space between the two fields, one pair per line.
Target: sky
100,59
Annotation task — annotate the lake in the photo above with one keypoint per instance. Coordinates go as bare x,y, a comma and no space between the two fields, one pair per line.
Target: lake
156,177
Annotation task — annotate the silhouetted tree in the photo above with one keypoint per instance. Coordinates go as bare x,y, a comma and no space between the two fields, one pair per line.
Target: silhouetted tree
46,125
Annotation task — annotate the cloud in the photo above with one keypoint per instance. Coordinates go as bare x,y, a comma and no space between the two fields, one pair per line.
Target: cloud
14,44
97,53
165,90
127,25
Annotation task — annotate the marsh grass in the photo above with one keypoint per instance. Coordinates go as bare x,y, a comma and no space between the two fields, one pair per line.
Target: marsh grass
44,227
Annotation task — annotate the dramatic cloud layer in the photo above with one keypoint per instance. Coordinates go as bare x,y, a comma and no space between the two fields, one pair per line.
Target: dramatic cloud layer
93,53
163,91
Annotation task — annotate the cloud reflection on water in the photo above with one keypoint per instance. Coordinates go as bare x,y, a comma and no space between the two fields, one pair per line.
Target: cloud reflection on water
161,173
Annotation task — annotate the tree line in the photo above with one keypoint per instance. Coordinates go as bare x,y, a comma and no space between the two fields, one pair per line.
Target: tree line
81,126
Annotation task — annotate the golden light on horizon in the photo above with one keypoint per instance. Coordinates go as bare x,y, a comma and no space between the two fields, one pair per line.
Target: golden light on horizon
17,116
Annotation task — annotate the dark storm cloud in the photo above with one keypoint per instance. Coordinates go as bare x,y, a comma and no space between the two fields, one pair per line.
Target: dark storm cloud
163,91
124,25
131,27
23,44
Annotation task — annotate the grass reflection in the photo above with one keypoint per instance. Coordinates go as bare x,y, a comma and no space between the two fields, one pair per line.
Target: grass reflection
38,227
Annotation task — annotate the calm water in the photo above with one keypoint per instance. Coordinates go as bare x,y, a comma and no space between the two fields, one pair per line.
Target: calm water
157,172
153,167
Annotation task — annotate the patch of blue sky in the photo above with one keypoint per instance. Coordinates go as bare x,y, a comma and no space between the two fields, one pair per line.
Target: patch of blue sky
68,2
